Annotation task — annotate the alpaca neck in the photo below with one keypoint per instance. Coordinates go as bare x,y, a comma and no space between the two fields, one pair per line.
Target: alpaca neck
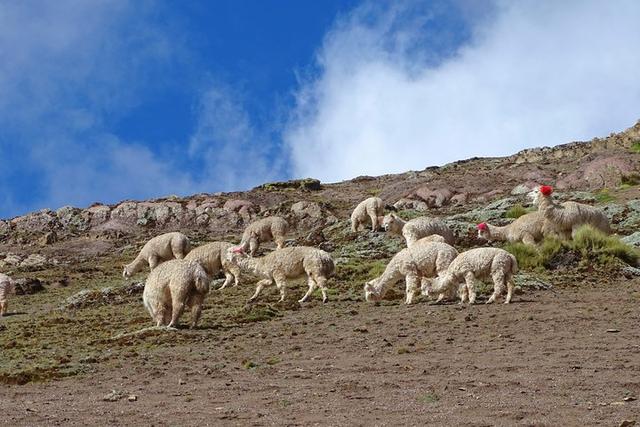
497,232
548,208
137,264
254,265
390,276
398,226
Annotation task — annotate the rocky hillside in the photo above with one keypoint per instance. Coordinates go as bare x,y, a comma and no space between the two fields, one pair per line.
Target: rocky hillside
600,170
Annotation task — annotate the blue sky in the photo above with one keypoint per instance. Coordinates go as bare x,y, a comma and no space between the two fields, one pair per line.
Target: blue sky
105,100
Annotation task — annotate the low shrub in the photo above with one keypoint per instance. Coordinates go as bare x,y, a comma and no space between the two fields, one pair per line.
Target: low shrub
516,211
588,245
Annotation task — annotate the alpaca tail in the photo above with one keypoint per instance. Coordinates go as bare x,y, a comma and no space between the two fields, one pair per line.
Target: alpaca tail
514,264
202,282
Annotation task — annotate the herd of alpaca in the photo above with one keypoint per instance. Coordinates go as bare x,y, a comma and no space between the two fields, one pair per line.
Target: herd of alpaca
180,276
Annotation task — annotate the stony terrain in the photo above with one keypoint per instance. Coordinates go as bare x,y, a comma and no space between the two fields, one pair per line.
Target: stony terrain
77,347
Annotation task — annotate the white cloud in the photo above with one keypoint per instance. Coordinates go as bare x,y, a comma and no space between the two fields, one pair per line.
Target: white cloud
532,73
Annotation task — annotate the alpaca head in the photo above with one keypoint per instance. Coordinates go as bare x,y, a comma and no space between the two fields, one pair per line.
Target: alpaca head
390,223
125,272
370,291
235,252
483,231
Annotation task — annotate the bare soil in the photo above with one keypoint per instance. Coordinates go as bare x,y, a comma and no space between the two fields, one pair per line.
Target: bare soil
565,357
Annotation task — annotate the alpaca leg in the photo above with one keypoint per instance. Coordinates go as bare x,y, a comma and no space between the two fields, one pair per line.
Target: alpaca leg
528,239
196,310
235,271
470,281
177,307
374,222
498,286
312,287
165,315
411,287
322,283
510,286
261,284
463,292
281,284
153,262
3,308
253,246
279,242
228,278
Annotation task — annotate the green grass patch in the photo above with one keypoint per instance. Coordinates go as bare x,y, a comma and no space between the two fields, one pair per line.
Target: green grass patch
602,248
635,148
604,196
516,211
628,181
429,398
589,245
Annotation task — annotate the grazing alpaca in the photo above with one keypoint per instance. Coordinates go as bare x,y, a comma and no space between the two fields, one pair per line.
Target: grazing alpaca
287,263
367,210
159,249
422,260
417,228
474,264
266,229
567,217
529,229
213,258
173,286
7,287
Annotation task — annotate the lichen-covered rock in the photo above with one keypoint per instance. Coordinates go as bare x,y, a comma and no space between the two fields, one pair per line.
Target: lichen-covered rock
632,239
71,218
416,205
606,171
126,212
96,214
43,220
434,198
34,261
5,228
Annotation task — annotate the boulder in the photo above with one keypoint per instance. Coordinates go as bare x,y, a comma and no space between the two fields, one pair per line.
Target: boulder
416,205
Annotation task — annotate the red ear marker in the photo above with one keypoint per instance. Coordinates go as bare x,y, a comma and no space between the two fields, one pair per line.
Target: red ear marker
546,190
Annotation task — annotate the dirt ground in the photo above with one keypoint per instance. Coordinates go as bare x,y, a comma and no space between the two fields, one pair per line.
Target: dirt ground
565,357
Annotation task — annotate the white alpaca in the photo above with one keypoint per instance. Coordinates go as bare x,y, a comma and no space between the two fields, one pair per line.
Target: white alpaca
367,210
263,230
417,228
422,260
171,287
213,258
157,250
7,287
567,217
479,263
529,229
287,263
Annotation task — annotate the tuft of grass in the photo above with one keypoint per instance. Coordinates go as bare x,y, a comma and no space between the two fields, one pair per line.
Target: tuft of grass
274,360
604,196
429,398
597,246
589,245
516,211
631,180
249,364
635,148
374,192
